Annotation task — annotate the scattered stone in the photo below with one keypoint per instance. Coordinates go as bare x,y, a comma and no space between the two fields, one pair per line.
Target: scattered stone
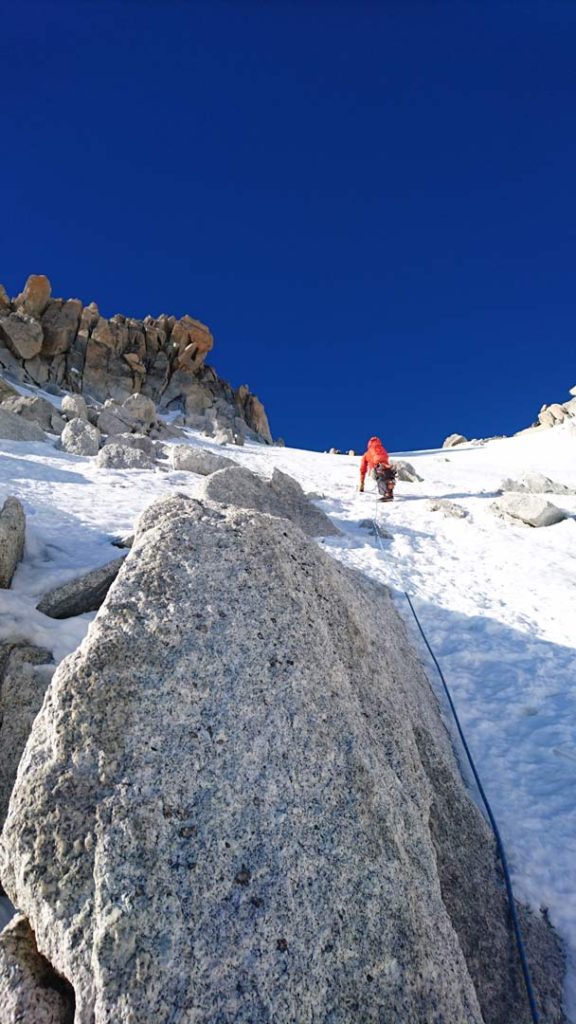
536,483
4,299
334,451
30,990
7,391
405,471
12,533
74,407
375,528
25,673
84,594
141,412
572,391
120,456
351,452
244,762
529,509
196,460
36,295
281,496
80,438
21,334
124,542
449,508
224,437
453,439
570,407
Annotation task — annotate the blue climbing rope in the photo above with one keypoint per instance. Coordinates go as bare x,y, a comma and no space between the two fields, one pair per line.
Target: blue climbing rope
499,844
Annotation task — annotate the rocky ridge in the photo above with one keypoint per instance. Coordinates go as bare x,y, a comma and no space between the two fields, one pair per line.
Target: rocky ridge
62,343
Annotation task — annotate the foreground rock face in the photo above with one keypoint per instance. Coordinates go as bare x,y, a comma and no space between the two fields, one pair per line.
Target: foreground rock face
25,672
15,428
30,991
160,359
239,803
12,536
281,496
529,509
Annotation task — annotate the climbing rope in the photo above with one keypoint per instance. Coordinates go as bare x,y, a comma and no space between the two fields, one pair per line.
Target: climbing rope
499,844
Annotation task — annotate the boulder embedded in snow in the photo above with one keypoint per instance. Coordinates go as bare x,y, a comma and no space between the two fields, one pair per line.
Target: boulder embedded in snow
12,534
25,672
15,428
22,335
121,456
453,439
529,509
241,766
405,471
30,991
281,496
536,483
197,460
137,413
83,594
141,441
449,508
74,407
80,438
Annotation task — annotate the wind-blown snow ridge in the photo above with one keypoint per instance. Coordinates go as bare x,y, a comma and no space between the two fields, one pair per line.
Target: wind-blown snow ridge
497,601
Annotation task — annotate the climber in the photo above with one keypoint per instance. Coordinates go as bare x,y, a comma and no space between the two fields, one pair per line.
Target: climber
376,460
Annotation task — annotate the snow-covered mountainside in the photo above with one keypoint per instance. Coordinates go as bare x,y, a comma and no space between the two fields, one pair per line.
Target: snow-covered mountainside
496,598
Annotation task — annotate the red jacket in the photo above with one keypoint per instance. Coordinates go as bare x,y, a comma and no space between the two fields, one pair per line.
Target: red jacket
374,454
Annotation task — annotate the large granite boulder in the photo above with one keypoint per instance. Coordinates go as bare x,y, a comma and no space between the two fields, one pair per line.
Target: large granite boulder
83,594
122,456
12,535
239,803
529,509
281,496
25,672
142,441
35,297
15,428
74,407
22,335
136,413
80,438
196,460
30,991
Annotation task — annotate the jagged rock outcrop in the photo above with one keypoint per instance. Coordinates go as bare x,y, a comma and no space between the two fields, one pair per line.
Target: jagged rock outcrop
25,672
83,594
30,991
49,341
529,509
280,496
12,535
239,803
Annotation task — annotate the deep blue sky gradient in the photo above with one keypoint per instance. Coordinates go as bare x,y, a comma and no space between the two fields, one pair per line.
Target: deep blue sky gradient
371,204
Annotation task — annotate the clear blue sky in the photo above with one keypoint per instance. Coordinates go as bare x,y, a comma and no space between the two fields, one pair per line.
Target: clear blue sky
371,204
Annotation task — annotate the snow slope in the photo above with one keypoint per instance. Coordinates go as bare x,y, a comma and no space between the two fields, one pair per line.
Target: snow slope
497,601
